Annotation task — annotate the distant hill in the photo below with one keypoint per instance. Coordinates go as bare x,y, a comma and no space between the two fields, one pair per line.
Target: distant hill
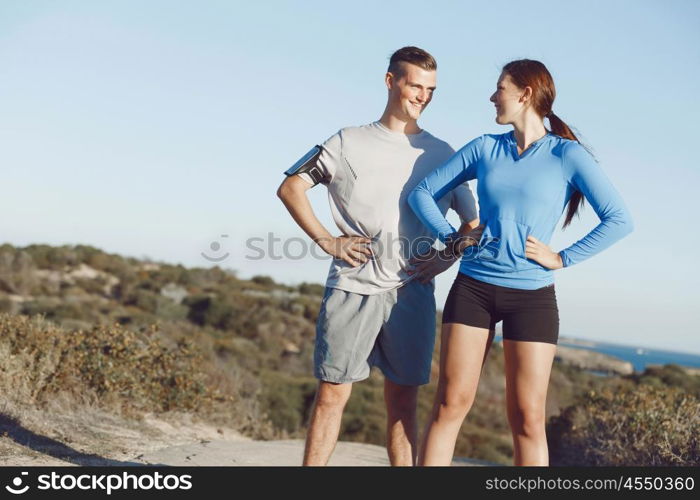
136,337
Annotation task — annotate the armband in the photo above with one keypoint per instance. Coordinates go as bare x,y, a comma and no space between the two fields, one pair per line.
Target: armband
307,164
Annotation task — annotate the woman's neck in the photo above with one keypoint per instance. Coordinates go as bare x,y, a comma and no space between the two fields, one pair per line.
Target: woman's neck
529,130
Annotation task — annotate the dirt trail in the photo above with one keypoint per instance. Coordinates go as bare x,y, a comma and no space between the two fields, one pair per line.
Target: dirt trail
154,441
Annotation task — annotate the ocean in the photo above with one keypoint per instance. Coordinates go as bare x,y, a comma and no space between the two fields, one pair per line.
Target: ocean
640,357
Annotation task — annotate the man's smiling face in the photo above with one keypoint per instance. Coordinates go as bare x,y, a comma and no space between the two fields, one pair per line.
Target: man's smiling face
411,91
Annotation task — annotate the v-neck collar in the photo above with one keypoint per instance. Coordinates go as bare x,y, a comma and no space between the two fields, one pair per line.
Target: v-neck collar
513,144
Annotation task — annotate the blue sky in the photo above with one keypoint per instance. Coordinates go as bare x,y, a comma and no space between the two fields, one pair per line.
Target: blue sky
154,128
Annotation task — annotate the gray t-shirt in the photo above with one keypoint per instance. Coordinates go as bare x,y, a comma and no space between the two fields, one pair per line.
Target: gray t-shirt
369,172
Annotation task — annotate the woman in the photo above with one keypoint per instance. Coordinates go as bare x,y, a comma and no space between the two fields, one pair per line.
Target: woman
526,178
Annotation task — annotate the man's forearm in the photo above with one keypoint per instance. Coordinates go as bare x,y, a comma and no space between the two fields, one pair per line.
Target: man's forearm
299,207
466,227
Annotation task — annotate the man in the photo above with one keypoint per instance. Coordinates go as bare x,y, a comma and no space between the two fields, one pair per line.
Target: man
378,309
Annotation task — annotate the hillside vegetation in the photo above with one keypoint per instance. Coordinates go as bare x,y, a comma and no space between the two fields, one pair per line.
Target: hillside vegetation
92,329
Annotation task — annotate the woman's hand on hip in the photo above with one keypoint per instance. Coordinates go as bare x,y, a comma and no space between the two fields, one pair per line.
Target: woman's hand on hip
542,254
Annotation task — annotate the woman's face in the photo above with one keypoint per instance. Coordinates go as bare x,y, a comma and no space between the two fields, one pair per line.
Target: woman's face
508,99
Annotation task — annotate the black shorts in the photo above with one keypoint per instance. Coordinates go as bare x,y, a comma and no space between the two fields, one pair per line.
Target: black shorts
529,315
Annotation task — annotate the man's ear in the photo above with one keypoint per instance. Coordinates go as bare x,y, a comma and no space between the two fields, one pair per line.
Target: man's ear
389,80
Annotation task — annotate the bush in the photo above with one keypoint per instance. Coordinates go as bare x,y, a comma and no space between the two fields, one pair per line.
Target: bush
17,272
123,368
312,289
143,299
641,426
287,400
364,419
670,375
205,310
263,280
7,306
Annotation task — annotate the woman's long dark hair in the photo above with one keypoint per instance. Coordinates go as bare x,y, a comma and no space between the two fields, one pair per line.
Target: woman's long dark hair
534,74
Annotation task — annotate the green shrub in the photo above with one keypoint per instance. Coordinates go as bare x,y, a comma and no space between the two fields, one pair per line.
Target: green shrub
670,375
207,310
131,370
287,400
643,426
312,289
263,280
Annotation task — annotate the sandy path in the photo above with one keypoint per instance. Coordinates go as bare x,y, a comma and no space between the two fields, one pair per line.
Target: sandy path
154,441
268,453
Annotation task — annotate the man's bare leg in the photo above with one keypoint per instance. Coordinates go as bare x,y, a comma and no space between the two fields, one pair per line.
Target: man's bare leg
402,429
324,427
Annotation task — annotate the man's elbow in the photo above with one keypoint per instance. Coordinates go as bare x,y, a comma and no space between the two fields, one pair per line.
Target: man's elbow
285,190
282,191
292,189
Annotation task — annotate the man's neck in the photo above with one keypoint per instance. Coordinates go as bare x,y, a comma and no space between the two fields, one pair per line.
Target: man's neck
396,124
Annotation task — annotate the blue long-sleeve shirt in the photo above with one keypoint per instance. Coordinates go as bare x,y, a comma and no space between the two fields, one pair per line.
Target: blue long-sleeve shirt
522,195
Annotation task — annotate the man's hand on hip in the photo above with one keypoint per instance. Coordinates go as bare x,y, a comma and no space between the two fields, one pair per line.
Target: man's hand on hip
354,250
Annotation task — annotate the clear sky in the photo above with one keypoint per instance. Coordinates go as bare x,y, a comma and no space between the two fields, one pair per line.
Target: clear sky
154,128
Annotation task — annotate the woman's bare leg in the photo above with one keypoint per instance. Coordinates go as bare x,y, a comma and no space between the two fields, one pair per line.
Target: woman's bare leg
462,353
528,366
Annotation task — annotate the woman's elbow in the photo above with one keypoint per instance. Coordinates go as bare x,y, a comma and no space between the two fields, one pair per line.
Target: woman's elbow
415,197
625,224
628,222
411,200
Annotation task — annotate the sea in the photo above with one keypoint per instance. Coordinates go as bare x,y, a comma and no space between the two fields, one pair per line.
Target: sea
640,357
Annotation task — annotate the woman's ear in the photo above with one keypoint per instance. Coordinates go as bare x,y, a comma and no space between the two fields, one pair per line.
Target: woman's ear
526,95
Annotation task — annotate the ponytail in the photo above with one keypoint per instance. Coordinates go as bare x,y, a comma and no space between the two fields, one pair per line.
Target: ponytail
562,130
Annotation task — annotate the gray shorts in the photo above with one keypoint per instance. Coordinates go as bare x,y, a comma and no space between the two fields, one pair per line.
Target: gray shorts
394,331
